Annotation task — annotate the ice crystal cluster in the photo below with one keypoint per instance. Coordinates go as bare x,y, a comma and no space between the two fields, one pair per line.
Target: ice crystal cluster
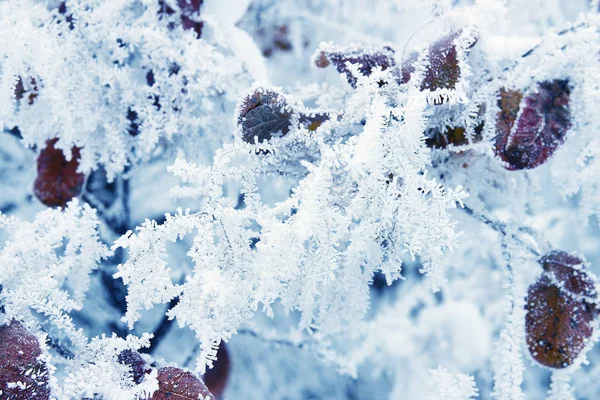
299,199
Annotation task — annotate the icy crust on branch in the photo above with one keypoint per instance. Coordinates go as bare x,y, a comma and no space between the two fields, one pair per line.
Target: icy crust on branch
562,310
363,201
24,373
132,79
45,264
449,386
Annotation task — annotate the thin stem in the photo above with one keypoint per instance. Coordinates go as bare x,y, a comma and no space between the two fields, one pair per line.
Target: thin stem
501,228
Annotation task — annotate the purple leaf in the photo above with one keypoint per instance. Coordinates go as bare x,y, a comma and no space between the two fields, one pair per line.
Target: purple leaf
190,10
266,114
366,59
530,130
443,69
136,364
23,375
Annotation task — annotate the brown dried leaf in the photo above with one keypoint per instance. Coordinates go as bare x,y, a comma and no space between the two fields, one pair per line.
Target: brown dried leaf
560,311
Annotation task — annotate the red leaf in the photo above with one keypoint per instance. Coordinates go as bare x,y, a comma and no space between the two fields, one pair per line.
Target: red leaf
560,310
22,375
177,384
543,121
57,181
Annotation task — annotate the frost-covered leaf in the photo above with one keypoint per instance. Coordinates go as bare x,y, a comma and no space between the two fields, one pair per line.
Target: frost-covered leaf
264,114
561,309
443,65
267,113
571,273
23,371
530,128
367,59
177,384
57,181
135,362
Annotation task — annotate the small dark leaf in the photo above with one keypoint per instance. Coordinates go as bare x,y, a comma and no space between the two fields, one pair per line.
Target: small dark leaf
190,11
456,136
560,310
23,376
266,114
366,59
136,364
273,38
543,121
57,181
177,384
134,122
216,378
443,69
62,9
30,90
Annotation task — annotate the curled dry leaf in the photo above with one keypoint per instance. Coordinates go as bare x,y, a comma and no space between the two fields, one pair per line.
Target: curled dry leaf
366,59
560,310
57,180
266,113
443,67
23,374
177,384
531,128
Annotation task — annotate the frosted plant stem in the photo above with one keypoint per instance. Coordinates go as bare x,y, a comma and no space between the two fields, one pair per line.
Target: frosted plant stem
501,228
560,386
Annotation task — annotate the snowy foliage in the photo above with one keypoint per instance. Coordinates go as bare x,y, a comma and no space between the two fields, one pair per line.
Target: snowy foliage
341,198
